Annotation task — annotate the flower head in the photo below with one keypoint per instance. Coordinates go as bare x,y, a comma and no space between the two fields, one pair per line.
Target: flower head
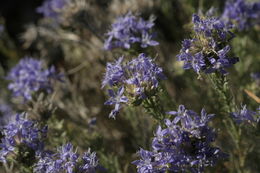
30,76
130,29
132,81
114,73
184,145
90,162
208,51
67,160
21,132
116,99
246,115
147,163
241,14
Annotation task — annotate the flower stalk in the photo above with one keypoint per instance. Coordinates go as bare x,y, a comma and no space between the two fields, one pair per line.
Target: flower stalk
153,106
226,99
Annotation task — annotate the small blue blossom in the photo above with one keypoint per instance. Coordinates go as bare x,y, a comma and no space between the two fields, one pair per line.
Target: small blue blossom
147,163
21,131
30,76
246,115
185,145
241,14
67,160
130,29
114,73
64,160
52,8
116,99
131,81
90,162
208,51
142,71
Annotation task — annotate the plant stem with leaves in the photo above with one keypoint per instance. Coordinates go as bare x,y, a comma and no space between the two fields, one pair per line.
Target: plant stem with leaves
221,86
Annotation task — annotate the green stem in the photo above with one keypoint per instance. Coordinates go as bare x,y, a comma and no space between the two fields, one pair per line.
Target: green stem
226,99
154,107
7,169
221,86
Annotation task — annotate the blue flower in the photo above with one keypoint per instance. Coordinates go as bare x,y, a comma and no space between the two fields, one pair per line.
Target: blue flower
90,162
241,14
21,131
52,8
30,76
114,73
246,115
133,81
142,71
185,145
147,163
66,160
208,51
116,99
130,29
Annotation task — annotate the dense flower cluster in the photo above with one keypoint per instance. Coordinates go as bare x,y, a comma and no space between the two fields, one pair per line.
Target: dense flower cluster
184,145
68,161
130,29
132,81
208,51
241,14
51,8
245,115
30,76
21,132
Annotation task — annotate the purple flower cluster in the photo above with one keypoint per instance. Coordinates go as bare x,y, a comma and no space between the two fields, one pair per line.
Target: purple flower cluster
68,161
241,14
21,131
51,8
246,116
208,51
30,76
183,146
130,29
131,81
